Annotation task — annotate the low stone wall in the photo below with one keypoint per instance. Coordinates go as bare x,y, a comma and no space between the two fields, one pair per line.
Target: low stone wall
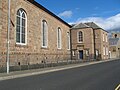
42,65
30,59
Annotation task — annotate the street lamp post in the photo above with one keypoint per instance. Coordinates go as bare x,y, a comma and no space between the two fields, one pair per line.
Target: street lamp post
8,41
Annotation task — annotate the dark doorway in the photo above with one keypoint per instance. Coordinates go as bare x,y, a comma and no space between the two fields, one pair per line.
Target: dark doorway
81,54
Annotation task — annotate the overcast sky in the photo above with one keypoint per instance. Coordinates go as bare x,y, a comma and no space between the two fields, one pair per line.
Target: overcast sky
106,13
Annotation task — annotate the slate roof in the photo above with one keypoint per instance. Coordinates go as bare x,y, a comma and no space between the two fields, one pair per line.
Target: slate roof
93,25
80,25
113,41
87,25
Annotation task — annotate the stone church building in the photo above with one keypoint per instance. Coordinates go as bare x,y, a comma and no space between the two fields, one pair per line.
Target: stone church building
37,35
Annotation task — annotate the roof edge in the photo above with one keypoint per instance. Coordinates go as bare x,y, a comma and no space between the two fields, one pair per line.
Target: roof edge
102,29
79,28
96,25
48,11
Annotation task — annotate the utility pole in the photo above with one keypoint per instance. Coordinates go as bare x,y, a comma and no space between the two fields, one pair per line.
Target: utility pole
8,41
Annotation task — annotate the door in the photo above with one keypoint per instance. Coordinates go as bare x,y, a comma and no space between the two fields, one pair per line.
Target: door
81,54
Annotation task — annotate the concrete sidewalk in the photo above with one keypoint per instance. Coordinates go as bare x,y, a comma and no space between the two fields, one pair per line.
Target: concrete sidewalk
18,74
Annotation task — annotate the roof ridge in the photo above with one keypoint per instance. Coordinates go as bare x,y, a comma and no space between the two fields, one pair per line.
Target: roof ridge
80,25
86,25
48,11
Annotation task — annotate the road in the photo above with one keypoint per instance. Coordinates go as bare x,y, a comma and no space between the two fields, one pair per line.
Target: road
102,76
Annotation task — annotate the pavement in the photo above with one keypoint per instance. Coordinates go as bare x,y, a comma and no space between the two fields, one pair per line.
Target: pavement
19,74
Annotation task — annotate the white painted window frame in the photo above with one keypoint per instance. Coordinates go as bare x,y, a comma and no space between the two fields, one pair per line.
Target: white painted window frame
78,40
68,40
104,51
46,34
73,53
20,43
103,37
106,38
107,51
59,38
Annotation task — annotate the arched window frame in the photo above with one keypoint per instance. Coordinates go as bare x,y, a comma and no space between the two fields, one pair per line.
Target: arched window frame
44,31
59,38
106,38
103,37
21,27
104,50
80,37
68,40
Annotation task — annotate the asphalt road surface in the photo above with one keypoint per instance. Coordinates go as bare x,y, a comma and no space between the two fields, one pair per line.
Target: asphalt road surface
103,76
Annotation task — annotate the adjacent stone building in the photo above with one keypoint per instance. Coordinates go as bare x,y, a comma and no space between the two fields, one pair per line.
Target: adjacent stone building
114,44
89,41
115,35
36,34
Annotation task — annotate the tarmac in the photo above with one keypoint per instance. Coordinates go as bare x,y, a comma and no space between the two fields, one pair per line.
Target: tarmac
25,73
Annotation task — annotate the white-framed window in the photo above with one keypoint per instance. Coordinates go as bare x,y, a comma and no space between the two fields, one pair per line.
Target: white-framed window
80,37
44,34
59,38
104,50
103,37
87,52
73,53
96,35
106,38
21,27
107,51
68,40
97,53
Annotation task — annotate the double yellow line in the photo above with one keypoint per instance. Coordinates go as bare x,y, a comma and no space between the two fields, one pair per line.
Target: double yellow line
118,87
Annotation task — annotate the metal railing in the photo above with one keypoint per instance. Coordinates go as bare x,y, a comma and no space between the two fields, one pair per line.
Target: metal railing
20,62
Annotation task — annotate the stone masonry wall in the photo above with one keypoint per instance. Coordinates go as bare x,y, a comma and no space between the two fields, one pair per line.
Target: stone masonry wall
32,53
0,27
100,43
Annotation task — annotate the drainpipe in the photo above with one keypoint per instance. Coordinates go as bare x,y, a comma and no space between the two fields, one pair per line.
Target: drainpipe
8,37
71,45
94,43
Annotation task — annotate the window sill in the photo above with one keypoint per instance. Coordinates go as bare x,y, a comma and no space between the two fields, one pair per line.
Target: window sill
59,48
21,45
80,42
44,47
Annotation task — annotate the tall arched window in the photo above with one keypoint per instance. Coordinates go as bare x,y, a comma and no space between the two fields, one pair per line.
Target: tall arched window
80,36
103,37
59,38
68,40
21,24
44,34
